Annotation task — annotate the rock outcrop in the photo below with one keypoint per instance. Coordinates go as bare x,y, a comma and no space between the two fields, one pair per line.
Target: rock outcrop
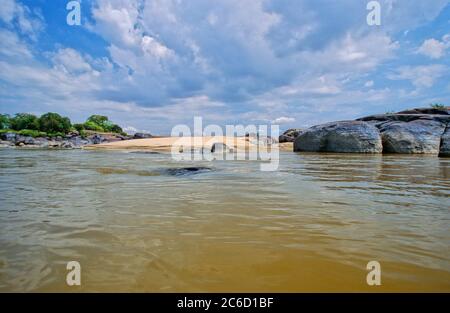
290,135
416,131
142,136
70,141
344,136
445,143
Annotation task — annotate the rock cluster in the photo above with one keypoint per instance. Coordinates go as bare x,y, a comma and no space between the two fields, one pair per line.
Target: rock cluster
70,141
417,131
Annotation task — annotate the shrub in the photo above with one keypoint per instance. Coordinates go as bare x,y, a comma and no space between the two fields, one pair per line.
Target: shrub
437,106
54,123
93,126
5,122
32,133
56,134
116,129
79,127
100,120
24,121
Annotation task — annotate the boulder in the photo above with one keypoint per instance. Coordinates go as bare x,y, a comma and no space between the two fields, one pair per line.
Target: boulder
422,136
341,137
219,147
290,135
142,136
9,137
445,143
97,139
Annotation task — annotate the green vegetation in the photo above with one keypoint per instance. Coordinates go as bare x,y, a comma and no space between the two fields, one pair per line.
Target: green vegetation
4,121
438,106
53,125
24,121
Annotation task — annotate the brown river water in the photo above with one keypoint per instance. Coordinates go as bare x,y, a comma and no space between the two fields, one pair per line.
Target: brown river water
135,222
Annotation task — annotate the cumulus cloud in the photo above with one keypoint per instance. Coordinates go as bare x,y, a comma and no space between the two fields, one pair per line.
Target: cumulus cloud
433,48
420,76
226,60
283,120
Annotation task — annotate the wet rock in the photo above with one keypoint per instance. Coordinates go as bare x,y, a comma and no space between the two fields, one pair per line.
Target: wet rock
142,136
187,170
340,137
445,143
418,136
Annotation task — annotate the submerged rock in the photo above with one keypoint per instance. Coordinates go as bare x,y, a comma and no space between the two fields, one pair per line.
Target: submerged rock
344,136
187,170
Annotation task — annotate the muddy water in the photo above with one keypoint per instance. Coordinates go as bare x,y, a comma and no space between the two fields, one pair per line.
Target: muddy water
137,222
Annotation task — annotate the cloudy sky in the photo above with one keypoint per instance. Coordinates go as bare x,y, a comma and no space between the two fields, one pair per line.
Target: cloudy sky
152,64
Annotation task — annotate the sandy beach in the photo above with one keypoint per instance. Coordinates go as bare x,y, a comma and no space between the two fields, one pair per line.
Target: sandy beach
165,144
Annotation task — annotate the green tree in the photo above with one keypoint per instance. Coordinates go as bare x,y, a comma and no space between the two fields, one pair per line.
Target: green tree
100,120
93,126
116,129
54,123
24,121
5,121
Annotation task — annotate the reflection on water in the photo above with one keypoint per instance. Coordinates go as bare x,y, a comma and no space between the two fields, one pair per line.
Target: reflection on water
135,222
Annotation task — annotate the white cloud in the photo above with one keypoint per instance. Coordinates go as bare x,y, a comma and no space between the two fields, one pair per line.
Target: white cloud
29,23
369,83
433,48
283,120
420,76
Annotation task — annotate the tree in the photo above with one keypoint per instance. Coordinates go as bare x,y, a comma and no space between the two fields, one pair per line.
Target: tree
116,129
54,123
24,121
93,126
5,121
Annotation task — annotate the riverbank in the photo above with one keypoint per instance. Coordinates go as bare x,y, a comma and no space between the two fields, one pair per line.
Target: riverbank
165,144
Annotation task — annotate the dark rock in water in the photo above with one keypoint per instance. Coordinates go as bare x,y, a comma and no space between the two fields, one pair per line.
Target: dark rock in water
419,136
187,171
344,136
142,136
445,143
290,135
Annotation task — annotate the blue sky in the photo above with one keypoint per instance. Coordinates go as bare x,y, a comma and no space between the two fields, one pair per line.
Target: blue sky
152,64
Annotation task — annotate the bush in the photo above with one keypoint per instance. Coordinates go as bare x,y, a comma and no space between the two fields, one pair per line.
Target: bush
54,123
24,121
79,127
437,106
31,132
5,121
56,134
116,129
93,126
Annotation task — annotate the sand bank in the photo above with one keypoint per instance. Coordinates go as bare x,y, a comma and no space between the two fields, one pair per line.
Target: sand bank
165,144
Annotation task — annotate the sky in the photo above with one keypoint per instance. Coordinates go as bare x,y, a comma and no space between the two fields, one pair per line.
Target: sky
152,64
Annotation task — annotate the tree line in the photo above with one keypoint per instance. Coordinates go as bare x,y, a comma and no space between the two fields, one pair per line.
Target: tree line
53,124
